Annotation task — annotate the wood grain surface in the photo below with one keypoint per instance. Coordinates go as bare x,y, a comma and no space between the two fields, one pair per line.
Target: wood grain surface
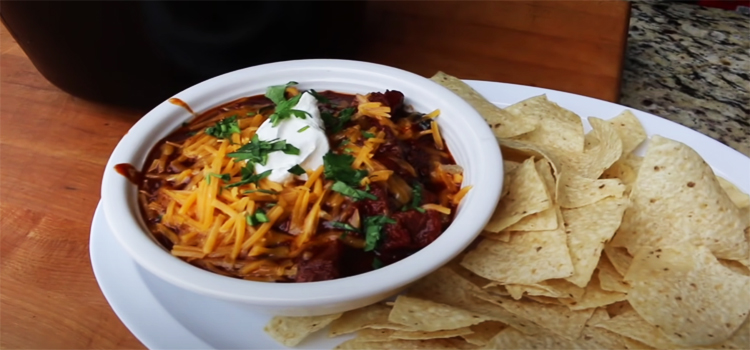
53,146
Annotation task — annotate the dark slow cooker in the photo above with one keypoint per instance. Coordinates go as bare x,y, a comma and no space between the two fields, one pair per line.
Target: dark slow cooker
139,53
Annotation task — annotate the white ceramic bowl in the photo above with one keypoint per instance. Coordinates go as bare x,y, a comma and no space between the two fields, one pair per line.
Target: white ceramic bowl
465,132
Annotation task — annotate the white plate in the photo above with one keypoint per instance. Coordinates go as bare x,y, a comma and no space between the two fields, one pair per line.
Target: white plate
163,316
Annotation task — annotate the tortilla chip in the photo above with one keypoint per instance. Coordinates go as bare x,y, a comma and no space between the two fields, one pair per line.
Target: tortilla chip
502,123
739,198
565,288
633,344
609,278
527,195
558,127
736,267
543,299
676,197
619,257
417,335
557,319
517,291
599,156
629,129
629,324
589,228
497,289
618,308
528,258
483,332
290,331
592,338
685,292
739,340
431,344
446,286
510,166
546,219
354,320
594,297
502,236
576,191
372,335
429,316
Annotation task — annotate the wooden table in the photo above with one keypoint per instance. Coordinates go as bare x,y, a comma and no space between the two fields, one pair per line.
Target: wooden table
53,146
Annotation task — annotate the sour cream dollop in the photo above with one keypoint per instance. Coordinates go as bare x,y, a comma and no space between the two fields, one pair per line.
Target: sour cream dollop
307,134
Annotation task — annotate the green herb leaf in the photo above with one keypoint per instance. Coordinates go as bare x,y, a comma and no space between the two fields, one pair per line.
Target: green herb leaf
374,230
248,177
297,170
251,114
224,177
284,111
277,93
319,97
256,151
342,226
376,263
344,142
367,134
338,167
303,128
251,220
260,190
348,191
261,216
335,124
224,128
416,198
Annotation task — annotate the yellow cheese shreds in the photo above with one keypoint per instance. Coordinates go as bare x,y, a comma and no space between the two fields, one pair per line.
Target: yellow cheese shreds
436,135
436,207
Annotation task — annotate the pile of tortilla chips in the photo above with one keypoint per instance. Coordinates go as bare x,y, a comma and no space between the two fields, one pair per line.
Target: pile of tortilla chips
590,247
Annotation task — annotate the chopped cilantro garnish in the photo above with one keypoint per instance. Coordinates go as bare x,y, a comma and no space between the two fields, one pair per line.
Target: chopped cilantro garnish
367,134
251,220
224,177
354,193
342,226
251,114
303,128
277,93
260,190
373,230
348,150
283,106
376,263
344,142
257,218
319,97
416,198
249,177
335,124
224,128
261,216
256,151
338,167
297,170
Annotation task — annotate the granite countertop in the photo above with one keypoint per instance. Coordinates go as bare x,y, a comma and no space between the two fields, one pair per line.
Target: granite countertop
691,65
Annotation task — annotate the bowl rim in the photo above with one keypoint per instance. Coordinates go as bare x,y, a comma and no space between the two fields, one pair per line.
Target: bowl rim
143,249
